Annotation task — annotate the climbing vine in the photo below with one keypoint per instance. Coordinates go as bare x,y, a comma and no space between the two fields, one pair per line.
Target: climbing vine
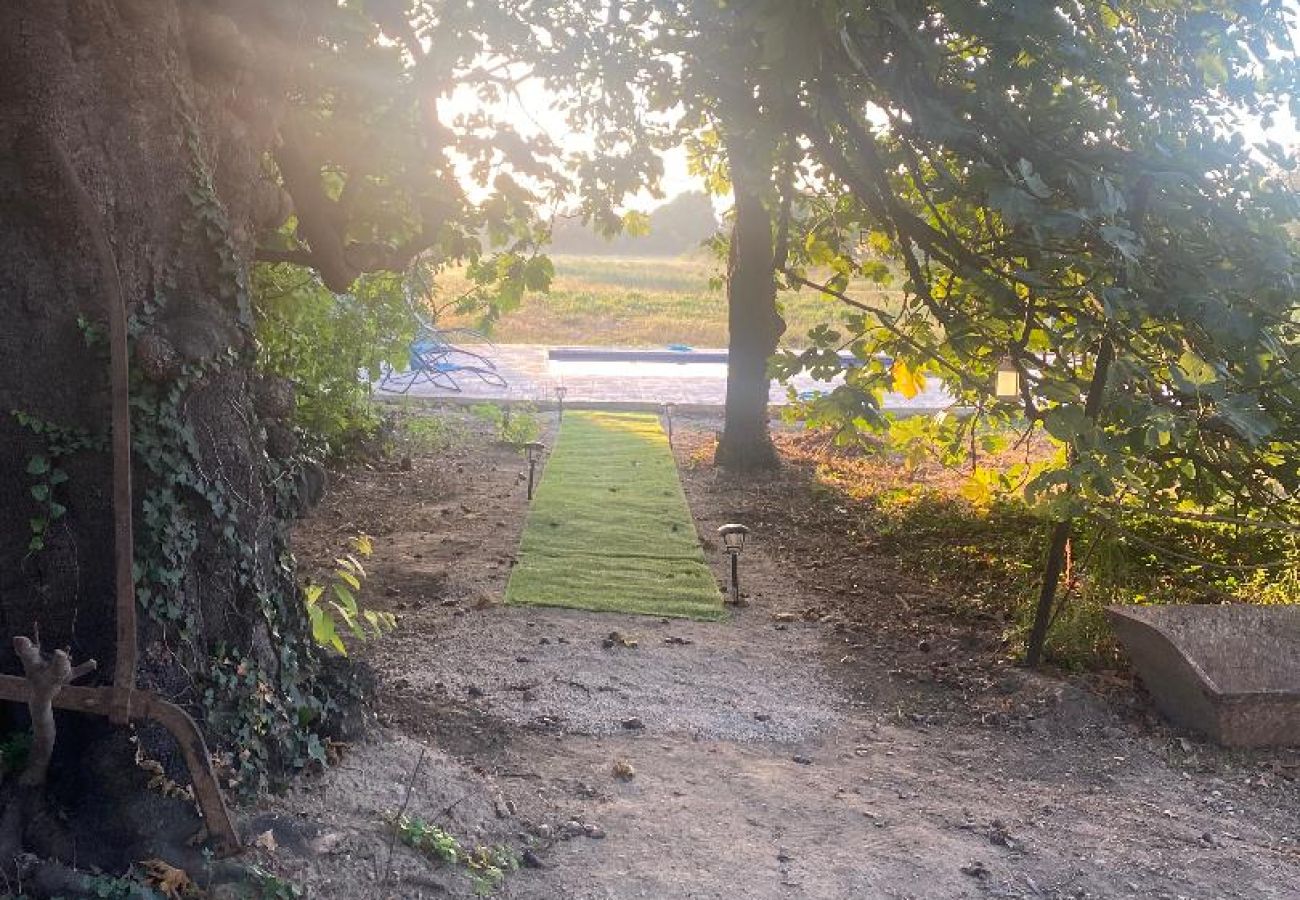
264,710
46,473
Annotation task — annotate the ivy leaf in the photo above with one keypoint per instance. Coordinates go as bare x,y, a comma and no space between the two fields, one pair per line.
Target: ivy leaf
315,749
38,465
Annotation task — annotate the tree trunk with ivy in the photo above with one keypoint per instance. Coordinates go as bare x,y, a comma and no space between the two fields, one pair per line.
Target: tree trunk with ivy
147,107
753,322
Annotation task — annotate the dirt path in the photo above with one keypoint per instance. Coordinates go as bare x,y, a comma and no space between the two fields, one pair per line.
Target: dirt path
866,748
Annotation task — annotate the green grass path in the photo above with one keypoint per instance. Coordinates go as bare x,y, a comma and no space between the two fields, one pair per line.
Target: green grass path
609,529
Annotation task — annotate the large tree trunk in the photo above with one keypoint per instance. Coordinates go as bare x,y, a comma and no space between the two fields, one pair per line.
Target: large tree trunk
154,109
754,324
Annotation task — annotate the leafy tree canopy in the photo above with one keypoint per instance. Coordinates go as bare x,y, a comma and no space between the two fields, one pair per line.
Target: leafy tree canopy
1064,186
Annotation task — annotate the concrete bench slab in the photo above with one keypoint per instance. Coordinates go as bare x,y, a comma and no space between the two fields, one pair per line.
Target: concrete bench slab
1231,673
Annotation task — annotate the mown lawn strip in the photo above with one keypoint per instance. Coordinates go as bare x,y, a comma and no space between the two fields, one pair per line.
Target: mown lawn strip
609,529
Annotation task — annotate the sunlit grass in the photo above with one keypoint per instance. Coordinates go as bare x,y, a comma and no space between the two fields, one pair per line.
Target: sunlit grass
613,301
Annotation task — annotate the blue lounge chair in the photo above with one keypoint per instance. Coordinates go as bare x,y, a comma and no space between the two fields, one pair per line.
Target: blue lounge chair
437,361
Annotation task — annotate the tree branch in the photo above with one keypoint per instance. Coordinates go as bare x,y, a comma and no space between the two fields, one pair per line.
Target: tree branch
46,677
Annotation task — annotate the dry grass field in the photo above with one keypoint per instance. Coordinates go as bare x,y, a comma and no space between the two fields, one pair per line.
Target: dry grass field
616,301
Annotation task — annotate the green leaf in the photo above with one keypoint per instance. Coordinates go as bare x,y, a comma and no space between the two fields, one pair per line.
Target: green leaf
1195,370
346,597
1033,180
349,619
38,465
323,630
1244,413
636,223
373,618
1065,423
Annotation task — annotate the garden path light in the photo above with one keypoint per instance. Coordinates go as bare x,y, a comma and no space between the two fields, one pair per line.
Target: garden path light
533,450
733,539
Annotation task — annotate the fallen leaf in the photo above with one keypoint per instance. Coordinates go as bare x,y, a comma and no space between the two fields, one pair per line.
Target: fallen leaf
266,840
171,882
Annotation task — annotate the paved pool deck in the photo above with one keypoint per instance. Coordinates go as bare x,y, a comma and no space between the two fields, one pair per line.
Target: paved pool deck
532,376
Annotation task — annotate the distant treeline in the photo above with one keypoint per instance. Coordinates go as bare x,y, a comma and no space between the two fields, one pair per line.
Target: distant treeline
677,227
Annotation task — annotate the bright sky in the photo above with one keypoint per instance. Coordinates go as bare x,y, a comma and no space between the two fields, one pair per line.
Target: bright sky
531,111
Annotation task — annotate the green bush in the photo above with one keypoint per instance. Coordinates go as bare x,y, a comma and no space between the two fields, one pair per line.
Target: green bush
331,346
515,423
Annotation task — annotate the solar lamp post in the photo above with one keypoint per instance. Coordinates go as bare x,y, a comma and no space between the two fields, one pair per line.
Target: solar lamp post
733,541
533,450
560,392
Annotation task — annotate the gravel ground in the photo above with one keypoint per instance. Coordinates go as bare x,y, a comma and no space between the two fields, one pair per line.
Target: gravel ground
710,681
899,757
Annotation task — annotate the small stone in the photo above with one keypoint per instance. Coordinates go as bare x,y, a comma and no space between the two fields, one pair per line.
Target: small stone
784,855
803,760
762,717
530,860
623,769
975,869
573,828
474,690
923,646
595,832
784,617
633,723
